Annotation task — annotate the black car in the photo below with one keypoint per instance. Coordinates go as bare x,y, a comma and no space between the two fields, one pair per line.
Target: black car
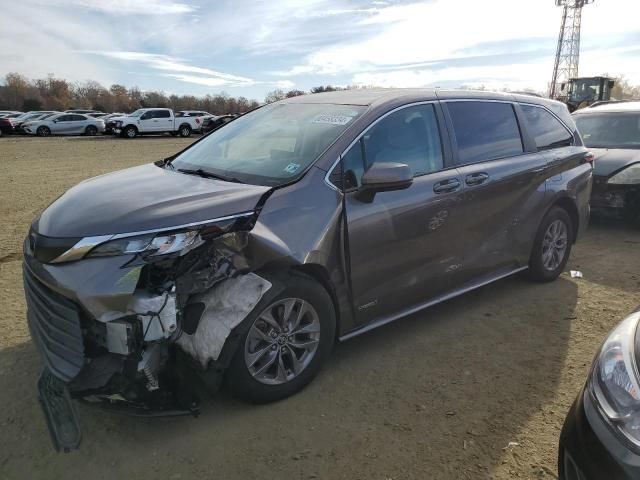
210,124
612,132
601,434
306,221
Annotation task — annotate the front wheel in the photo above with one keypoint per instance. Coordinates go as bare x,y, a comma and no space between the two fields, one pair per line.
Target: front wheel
130,132
287,342
552,246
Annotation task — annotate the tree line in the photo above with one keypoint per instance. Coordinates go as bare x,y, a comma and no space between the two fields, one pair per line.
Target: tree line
17,92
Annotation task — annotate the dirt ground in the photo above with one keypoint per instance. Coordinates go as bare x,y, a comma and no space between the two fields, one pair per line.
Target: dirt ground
438,395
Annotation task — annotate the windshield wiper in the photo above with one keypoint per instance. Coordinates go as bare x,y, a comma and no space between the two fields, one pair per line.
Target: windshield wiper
205,174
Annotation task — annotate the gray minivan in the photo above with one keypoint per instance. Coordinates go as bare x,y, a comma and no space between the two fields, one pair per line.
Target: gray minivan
314,219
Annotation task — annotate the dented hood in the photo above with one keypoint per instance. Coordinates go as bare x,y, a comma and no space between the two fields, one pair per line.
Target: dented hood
610,160
143,198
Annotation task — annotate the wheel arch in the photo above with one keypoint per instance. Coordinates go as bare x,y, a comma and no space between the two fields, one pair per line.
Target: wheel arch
321,275
569,205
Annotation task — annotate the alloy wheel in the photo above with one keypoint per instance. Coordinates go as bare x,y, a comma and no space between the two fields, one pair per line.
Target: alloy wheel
282,341
554,245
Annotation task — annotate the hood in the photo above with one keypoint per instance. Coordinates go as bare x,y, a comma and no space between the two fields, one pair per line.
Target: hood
143,198
610,160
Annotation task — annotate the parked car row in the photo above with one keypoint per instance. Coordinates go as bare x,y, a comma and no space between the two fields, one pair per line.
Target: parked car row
144,121
45,123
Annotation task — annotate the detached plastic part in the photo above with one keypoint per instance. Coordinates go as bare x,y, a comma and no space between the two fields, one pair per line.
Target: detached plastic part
59,413
225,306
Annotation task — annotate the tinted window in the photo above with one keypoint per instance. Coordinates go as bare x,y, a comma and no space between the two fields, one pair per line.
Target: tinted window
77,118
161,114
546,130
409,136
64,118
485,130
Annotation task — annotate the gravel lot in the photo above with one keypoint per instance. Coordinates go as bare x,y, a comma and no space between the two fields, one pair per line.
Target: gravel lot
440,394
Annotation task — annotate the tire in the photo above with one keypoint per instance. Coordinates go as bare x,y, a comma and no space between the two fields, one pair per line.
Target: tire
130,132
552,246
271,385
43,131
185,131
91,130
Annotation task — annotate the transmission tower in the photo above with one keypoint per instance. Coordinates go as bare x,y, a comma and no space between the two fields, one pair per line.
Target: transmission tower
568,52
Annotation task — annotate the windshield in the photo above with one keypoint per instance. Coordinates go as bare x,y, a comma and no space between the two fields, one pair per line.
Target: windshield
137,113
586,89
270,145
610,130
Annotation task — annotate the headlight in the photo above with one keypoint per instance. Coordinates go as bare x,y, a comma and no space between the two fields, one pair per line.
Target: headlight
118,123
628,176
153,245
615,379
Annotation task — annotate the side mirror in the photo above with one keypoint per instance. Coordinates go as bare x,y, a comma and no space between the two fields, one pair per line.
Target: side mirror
384,177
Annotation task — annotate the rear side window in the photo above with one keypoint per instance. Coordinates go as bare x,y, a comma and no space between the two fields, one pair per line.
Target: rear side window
162,114
485,130
546,130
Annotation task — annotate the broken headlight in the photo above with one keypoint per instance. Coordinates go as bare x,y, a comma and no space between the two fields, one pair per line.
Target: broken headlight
628,176
151,244
615,381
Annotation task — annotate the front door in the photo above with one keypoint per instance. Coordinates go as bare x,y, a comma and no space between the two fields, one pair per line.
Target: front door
403,245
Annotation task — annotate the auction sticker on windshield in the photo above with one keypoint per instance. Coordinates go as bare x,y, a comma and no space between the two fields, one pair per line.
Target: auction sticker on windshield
332,119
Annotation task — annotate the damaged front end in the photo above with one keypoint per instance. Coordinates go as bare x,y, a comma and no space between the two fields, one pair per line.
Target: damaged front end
138,322
617,200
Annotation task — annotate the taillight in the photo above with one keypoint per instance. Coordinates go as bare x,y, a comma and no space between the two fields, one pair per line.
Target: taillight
197,119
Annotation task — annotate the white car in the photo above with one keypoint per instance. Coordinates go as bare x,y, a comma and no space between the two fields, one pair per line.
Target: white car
154,121
198,114
64,124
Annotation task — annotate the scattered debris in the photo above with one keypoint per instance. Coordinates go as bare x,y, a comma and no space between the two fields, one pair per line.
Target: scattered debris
576,274
511,445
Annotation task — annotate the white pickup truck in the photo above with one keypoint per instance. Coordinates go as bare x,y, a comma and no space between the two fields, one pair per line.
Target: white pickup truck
145,121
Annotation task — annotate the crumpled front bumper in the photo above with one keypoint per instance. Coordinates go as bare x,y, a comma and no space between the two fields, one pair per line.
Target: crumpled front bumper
620,201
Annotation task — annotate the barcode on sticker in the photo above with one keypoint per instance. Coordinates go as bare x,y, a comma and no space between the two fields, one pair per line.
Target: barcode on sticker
332,119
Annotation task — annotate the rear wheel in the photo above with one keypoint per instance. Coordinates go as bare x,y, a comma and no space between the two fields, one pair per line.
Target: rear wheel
91,130
552,246
185,131
288,339
43,131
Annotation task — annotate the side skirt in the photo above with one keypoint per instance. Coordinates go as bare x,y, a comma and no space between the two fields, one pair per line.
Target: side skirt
442,298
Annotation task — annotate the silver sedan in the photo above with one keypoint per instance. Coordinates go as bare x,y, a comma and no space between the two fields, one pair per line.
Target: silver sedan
65,124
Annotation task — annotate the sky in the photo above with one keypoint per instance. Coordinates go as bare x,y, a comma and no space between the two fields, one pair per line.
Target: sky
248,48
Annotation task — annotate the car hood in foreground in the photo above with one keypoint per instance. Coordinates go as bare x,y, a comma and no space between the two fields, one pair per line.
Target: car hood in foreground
610,160
143,198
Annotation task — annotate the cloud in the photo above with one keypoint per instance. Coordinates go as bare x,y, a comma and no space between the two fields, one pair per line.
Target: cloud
132,7
442,30
208,76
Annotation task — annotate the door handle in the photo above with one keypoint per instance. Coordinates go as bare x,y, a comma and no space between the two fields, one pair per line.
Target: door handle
476,178
446,186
